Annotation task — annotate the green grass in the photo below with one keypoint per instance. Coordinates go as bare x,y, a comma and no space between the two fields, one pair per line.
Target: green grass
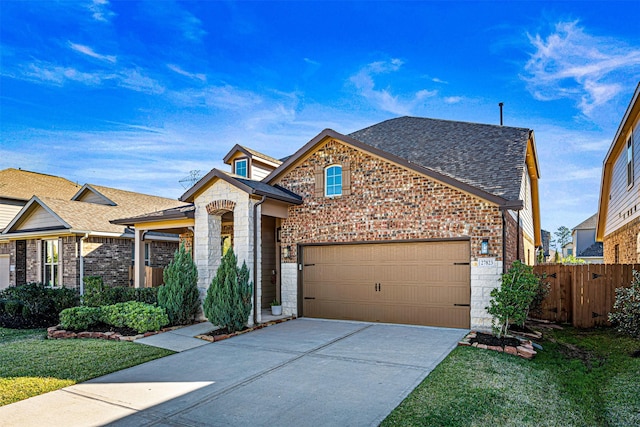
582,377
31,365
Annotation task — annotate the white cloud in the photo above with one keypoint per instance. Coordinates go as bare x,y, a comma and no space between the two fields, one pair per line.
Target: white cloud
57,75
86,50
570,63
225,97
191,27
100,10
194,76
453,99
134,79
437,80
311,61
383,98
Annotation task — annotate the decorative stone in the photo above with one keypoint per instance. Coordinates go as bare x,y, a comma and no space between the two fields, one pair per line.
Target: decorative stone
495,348
482,346
511,350
84,335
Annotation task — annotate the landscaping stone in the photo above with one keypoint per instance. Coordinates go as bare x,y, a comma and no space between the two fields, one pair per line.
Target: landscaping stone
525,349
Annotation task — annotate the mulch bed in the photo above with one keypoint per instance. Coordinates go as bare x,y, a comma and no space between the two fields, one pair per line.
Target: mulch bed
489,339
510,345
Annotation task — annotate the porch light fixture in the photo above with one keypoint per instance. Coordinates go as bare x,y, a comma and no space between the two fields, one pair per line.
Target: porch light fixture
285,251
484,247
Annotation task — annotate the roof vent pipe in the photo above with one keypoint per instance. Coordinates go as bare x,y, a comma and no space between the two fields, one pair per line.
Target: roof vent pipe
500,104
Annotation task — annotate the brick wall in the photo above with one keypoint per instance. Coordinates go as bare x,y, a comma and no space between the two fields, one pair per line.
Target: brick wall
161,253
109,258
626,237
70,262
387,202
33,263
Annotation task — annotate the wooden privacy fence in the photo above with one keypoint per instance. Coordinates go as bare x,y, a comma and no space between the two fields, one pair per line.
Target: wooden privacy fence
152,276
582,294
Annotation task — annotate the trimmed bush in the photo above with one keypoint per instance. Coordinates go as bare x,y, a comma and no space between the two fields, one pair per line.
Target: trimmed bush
510,303
97,294
228,300
626,316
179,295
34,305
80,318
144,317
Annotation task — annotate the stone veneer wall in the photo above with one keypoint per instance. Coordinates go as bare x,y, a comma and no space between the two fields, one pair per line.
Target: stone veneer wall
627,239
387,202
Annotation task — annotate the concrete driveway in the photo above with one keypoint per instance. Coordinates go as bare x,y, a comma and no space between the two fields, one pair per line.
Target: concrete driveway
304,372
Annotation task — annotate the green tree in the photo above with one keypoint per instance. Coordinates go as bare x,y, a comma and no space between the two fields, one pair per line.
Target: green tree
179,295
228,300
563,236
511,302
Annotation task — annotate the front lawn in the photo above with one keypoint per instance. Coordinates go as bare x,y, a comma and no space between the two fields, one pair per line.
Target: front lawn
31,365
582,377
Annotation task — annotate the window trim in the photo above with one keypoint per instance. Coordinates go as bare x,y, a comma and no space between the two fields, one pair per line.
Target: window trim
147,254
244,160
333,186
53,266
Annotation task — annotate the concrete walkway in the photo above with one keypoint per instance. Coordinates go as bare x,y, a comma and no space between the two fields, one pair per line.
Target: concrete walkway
304,372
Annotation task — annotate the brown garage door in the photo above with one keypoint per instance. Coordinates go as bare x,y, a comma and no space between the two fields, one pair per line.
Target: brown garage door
421,283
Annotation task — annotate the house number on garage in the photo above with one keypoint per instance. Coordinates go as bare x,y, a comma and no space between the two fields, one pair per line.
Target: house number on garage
486,262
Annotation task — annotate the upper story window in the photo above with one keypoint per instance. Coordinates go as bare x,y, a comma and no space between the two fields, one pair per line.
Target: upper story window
242,167
630,161
333,181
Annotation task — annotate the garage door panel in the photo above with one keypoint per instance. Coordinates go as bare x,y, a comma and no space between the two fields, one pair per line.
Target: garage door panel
418,283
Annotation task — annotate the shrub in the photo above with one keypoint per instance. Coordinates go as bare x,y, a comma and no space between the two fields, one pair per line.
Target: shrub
626,316
179,295
144,317
97,294
228,300
115,314
510,303
35,305
80,318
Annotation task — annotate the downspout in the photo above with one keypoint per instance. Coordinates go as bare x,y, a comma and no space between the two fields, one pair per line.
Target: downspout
255,259
86,235
518,238
504,243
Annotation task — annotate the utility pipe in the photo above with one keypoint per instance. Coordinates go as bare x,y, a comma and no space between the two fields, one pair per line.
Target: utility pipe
255,259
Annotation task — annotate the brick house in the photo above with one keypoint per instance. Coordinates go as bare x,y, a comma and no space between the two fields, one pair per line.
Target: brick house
618,216
62,232
411,220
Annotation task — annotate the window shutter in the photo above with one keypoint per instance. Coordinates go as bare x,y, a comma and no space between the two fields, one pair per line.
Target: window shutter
319,174
346,179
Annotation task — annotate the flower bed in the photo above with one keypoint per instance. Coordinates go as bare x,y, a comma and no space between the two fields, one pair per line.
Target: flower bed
523,349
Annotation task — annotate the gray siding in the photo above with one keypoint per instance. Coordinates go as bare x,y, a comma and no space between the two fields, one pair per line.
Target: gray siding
624,202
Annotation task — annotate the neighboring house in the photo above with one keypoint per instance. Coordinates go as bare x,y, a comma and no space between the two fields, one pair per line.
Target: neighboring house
409,221
546,243
567,250
584,242
618,215
62,233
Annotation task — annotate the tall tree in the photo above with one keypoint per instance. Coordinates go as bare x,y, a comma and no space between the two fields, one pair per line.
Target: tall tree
563,236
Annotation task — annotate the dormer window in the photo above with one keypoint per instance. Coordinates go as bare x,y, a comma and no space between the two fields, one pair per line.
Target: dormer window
333,181
241,167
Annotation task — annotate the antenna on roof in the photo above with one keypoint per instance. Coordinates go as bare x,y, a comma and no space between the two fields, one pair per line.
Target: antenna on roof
500,104
187,182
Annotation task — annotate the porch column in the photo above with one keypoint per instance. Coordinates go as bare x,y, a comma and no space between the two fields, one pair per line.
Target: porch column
138,259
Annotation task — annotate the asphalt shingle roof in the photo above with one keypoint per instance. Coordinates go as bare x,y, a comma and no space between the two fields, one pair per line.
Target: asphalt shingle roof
594,250
489,157
22,185
588,224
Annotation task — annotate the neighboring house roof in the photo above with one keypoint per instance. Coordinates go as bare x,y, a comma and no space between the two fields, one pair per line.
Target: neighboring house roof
79,216
259,188
20,184
186,211
618,143
488,157
595,250
588,224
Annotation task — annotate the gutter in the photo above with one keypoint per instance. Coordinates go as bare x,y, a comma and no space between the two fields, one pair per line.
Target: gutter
255,258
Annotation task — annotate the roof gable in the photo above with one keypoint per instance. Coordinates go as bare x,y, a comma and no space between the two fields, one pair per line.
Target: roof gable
588,224
329,134
35,215
88,194
253,154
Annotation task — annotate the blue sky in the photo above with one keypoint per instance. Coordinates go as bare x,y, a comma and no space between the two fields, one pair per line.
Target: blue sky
135,94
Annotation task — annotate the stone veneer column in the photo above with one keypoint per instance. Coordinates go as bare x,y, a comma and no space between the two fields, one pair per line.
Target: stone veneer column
483,281
289,288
